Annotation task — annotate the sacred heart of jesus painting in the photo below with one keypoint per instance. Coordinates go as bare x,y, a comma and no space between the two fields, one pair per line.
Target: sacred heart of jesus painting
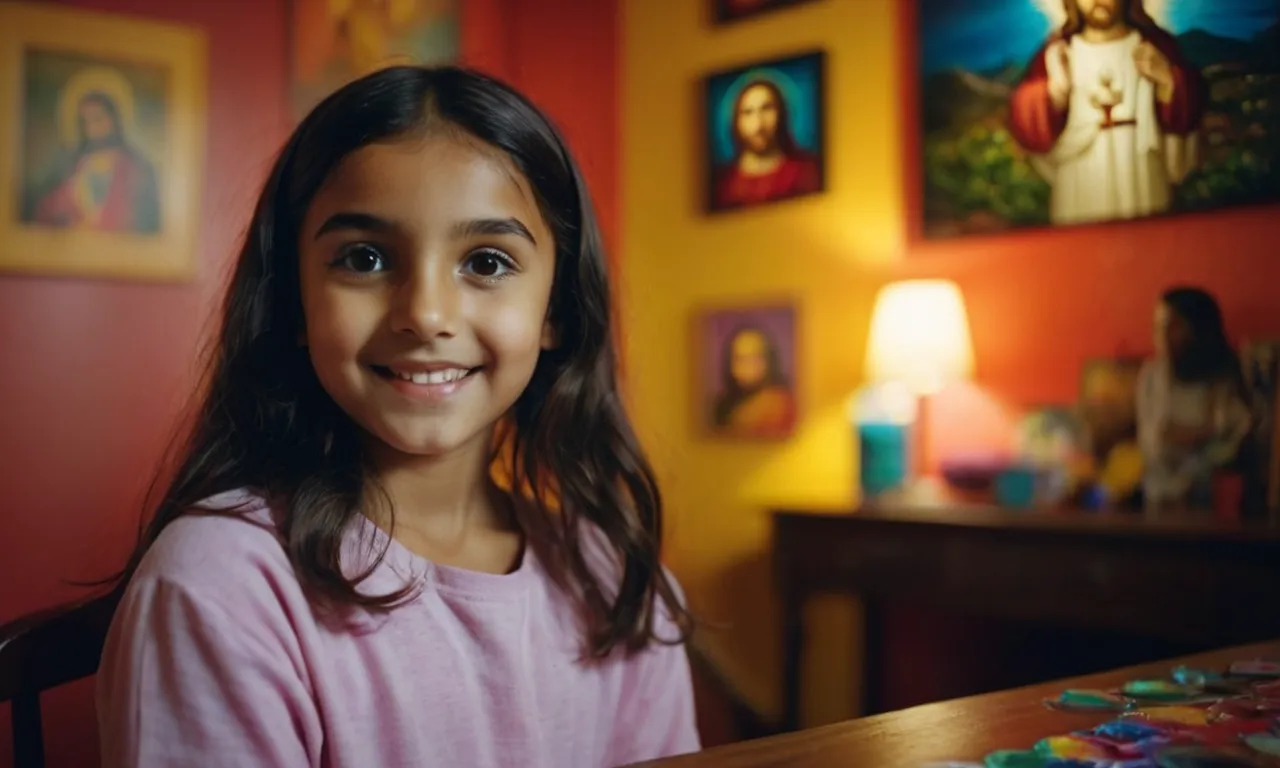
1060,112
102,143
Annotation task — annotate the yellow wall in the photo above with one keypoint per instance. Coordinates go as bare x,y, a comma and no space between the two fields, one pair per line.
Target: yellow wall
823,251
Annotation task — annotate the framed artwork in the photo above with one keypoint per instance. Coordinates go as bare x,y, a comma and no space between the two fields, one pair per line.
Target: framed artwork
1063,112
746,371
333,43
725,11
102,143
764,132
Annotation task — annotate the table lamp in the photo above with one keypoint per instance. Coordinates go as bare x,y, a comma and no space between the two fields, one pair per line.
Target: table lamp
920,339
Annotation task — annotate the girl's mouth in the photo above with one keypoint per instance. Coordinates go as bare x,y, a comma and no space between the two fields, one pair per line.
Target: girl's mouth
444,375
434,384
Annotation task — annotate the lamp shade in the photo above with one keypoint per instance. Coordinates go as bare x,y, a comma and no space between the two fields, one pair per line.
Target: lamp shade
919,336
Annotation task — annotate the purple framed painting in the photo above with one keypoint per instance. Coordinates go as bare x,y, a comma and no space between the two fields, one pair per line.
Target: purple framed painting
746,371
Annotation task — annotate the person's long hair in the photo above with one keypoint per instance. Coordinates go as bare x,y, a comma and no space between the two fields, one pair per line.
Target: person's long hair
267,425
1132,11
1208,355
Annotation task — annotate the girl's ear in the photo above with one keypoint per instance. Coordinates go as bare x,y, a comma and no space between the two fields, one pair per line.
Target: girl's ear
550,338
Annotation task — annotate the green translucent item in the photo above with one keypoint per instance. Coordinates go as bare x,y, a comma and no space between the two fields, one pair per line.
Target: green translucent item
1083,698
1012,758
1165,690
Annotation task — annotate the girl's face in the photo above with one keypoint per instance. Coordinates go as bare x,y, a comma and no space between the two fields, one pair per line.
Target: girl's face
426,272
1172,334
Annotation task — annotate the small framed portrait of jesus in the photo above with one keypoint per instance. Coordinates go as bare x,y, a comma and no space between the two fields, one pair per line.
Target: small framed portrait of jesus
746,371
764,132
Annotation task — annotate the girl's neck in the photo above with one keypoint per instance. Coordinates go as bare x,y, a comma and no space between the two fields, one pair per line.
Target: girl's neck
441,497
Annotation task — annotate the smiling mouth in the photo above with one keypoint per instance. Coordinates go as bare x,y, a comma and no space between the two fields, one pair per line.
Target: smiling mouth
441,376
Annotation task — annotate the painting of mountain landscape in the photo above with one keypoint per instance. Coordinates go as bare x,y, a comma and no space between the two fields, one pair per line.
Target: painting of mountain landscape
1062,112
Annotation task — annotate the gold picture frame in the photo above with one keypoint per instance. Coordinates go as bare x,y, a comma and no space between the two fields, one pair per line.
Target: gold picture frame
102,144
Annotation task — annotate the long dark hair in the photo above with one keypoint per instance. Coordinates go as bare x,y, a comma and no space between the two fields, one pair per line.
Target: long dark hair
266,424
734,393
1132,11
1208,356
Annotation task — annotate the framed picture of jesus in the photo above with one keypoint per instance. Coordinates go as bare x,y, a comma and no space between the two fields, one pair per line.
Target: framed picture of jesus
746,371
1065,112
101,144
764,132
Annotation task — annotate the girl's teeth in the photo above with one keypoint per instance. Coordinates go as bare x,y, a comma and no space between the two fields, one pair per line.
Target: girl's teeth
434,377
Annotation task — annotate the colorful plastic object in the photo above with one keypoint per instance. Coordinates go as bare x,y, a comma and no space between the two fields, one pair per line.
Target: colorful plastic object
1204,678
1071,746
1159,690
1177,715
1088,700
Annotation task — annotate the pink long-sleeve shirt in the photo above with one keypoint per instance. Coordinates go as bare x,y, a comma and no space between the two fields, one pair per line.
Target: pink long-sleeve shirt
216,658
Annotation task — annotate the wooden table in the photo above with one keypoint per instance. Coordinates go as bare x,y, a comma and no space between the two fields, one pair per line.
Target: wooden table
1194,581
962,729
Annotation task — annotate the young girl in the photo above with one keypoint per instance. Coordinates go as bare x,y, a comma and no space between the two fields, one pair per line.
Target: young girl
1192,416
413,526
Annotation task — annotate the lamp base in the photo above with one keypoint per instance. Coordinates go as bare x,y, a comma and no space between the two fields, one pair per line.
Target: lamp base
925,490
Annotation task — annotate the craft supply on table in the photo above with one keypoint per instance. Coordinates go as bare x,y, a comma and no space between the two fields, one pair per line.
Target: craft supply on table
1160,690
1088,700
1194,719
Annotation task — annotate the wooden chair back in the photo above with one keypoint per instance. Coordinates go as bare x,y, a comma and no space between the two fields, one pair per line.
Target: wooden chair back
44,650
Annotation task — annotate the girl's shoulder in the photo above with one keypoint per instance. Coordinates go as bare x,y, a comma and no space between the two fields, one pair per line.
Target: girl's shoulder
224,542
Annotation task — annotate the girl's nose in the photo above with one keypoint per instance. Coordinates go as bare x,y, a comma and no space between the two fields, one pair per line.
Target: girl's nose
427,305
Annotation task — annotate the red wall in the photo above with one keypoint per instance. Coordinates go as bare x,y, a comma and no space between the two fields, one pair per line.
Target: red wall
95,372
565,55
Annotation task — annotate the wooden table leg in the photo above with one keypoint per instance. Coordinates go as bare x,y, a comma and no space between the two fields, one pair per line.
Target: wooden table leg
792,652
872,657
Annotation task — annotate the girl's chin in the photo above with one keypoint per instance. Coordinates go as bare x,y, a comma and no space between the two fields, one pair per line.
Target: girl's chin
428,446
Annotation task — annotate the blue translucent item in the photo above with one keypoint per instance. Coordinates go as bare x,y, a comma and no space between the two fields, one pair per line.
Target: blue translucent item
1198,678
1093,498
1016,487
1129,730
884,452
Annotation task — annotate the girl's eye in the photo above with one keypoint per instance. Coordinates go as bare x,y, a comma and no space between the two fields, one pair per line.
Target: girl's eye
361,258
489,265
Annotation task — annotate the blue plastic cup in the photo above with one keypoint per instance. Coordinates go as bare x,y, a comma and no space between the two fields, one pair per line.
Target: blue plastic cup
884,451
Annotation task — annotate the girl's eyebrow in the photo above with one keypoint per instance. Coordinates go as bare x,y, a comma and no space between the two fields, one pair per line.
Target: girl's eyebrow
473,228
350,220
494,227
